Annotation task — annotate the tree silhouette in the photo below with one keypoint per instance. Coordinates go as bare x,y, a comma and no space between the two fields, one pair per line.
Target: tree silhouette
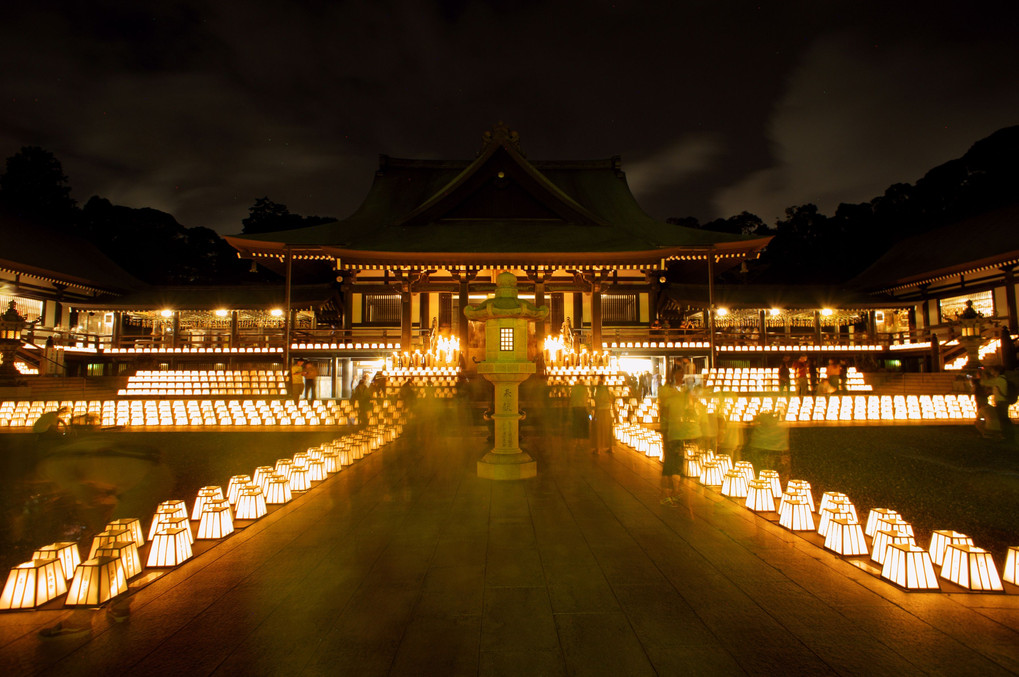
35,188
266,216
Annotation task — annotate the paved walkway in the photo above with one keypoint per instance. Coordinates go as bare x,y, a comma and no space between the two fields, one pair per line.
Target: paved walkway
407,563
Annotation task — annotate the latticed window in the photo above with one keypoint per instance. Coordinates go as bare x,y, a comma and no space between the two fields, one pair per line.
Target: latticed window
382,309
620,308
445,313
556,315
506,339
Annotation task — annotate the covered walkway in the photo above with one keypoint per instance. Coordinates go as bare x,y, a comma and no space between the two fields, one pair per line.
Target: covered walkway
407,563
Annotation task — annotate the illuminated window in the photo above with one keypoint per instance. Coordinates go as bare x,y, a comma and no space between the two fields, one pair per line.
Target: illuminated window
506,338
983,303
620,308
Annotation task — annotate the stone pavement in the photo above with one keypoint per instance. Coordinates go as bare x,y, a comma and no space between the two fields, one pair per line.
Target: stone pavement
407,563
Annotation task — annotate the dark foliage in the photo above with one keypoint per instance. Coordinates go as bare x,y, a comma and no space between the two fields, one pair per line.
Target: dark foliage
266,216
33,187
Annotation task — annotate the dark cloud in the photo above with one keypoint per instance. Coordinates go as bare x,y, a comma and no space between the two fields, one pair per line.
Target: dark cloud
200,107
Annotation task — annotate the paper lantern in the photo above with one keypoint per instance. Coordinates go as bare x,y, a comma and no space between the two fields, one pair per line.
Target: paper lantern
760,497
175,507
108,538
691,463
795,515
1011,573
33,583
299,479
747,468
894,523
843,505
283,467
133,525
801,488
127,551
971,567
250,504
774,480
65,551
909,567
877,514
277,490
216,521
845,537
734,484
941,539
96,581
204,494
726,462
711,474
830,496
331,461
316,470
170,547
827,514
262,473
885,537
233,489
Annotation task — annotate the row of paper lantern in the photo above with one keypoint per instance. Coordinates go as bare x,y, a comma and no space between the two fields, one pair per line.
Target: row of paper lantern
892,544
114,557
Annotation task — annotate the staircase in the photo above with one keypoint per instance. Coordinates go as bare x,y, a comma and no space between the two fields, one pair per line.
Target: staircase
942,383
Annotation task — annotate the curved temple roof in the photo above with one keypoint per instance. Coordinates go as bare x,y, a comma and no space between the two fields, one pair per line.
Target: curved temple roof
499,208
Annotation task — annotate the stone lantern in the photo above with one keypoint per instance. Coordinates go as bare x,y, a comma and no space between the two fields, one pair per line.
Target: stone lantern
971,335
506,365
11,326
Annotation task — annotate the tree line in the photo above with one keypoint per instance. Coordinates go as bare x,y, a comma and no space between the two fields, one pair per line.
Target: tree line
807,246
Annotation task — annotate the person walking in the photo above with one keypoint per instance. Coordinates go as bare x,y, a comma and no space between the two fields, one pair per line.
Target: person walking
784,376
297,379
998,386
580,421
602,417
310,374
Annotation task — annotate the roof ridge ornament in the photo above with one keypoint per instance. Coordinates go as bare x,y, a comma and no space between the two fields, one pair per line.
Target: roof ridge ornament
501,134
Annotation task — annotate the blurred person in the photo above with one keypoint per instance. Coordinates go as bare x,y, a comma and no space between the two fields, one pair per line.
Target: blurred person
603,413
297,379
802,376
580,421
784,375
998,387
310,375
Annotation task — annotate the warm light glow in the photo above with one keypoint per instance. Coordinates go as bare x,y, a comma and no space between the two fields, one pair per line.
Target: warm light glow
827,312
170,547
760,497
971,567
33,583
222,313
721,312
845,537
97,581
166,313
877,514
910,567
65,551
250,503
774,312
734,484
216,521
884,538
133,525
276,312
127,552
941,539
795,515
1011,573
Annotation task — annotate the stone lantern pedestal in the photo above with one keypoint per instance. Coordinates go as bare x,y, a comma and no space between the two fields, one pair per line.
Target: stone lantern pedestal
506,365
971,339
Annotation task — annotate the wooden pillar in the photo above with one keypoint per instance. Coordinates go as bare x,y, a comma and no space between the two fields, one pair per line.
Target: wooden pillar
424,311
817,326
763,333
406,304
711,309
118,329
235,330
1013,321
286,311
175,342
595,316
462,323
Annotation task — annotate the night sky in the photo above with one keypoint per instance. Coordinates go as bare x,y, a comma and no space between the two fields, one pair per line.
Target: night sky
198,108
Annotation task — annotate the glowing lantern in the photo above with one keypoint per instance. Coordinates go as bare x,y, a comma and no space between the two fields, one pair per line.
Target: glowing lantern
170,547
204,494
250,503
795,515
971,567
175,508
33,583
801,488
830,496
127,551
691,463
760,497
262,472
1011,573
316,470
108,538
771,476
216,521
877,514
65,551
133,525
747,468
909,566
941,539
331,461
283,467
299,479
827,515
96,581
711,474
233,489
277,490
734,484
884,538
845,537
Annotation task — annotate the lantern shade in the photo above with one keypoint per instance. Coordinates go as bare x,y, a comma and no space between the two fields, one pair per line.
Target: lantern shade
910,567
277,490
845,537
1011,573
734,484
877,514
233,489
971,567
204,494
747,468
773,480
250,504
178,523
66,552
827,514
299,479
108,538
760,497
894,523
216,521
795,515
331,461
169,548
711,474
691,464
132,524
885,537
726,461
283,467
802,489
941,539
127,551
830,496
316,470
33,583
175,507
96,581
262,472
